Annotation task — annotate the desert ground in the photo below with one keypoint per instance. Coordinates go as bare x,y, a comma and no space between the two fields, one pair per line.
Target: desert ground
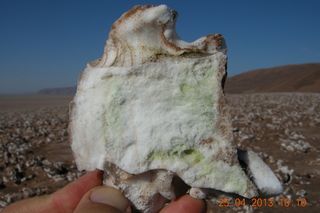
283,128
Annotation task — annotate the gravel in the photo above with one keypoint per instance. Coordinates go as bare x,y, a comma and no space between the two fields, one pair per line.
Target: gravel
284,129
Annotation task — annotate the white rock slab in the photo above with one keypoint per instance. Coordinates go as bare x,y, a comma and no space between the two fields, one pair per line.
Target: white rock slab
153,108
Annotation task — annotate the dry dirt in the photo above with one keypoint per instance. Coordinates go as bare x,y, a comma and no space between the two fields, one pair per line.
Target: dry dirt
35,157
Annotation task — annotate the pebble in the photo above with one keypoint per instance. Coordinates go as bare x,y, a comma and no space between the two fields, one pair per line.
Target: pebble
301,193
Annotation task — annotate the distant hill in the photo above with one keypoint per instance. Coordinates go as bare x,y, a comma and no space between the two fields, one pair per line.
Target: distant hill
58,91
289,78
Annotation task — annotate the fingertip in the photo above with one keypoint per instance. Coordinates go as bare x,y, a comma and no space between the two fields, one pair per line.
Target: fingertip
103,199
186,204
109,196
69,196
92,177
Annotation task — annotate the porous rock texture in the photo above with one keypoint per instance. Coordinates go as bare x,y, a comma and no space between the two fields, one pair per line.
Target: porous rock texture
152,108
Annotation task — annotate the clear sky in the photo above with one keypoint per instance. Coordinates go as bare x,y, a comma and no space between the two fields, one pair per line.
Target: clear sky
46,43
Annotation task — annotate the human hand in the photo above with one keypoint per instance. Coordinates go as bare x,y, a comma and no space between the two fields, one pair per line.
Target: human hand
87,195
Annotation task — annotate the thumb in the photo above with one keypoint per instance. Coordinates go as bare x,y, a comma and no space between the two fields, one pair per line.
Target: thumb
103,199
186,204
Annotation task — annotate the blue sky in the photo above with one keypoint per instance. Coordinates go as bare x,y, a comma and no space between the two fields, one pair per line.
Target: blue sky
46,43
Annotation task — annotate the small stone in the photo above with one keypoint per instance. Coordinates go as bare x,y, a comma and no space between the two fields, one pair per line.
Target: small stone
301,193
2,185
3,204
46,162
197,193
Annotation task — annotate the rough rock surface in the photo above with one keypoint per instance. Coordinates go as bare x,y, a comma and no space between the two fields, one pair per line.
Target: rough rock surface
153,108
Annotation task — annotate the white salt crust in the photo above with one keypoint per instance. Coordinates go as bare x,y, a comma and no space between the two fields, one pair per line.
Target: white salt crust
153,106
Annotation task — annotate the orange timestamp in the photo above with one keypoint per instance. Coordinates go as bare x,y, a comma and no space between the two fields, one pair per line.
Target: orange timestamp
258,202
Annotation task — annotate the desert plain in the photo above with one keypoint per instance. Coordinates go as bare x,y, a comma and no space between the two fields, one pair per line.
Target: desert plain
283,128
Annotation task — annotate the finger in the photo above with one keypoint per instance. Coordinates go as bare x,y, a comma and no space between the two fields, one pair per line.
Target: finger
64,200
67,198
36,204
185,204
103,199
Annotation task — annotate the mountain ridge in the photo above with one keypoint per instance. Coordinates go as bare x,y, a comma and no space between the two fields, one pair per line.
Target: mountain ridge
58,91
287,78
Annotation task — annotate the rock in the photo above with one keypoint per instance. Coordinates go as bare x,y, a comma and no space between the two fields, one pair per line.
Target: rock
271,159
70,176
285,171
153,108
2,184
60,168
301,193
262,175
27,192
46,162
5,179
3,204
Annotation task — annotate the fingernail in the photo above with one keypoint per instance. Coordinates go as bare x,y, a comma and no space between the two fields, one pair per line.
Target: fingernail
111,197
